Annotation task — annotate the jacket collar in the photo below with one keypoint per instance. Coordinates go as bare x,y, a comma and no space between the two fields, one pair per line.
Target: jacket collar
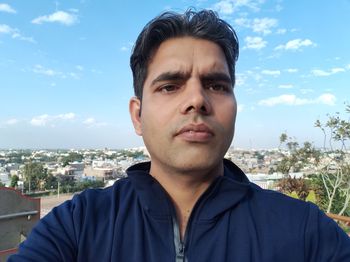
224,193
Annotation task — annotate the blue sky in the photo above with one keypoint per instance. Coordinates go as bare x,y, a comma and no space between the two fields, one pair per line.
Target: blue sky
65,80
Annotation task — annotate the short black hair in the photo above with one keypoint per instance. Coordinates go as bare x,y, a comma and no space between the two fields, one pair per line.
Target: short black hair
204,24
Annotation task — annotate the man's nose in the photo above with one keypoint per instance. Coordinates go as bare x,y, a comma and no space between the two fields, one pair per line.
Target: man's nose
196,99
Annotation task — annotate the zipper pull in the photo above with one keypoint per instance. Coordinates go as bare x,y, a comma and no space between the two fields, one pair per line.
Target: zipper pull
181,248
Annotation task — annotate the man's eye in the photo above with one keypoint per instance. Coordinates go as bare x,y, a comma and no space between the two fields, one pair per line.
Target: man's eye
218,88
168,88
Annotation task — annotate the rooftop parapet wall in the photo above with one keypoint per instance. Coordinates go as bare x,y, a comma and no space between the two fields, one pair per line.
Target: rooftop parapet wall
18,214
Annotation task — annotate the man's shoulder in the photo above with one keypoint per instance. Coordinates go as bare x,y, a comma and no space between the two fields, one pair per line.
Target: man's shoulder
272,196
103,195
261,199
275,206
278,210
93,200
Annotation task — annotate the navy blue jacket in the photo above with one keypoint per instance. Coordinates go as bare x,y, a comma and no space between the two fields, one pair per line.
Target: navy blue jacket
234,220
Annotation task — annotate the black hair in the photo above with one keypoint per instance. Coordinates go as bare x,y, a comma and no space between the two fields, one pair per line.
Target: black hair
204,24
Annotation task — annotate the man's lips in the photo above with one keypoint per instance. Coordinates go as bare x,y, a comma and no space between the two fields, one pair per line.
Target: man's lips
195,133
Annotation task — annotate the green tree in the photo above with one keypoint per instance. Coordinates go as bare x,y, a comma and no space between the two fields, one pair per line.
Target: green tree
14,181
297,185
72,157
334,171
331,180
50,182
322,199
133,154
283,139
296,157
35,175
67,183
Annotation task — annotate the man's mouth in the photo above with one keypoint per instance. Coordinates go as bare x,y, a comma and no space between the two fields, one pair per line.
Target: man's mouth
195,133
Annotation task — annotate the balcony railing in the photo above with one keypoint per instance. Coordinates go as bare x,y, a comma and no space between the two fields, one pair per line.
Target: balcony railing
343,219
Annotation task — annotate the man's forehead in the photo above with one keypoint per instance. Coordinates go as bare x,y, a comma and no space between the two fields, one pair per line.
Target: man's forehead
187,47
184,55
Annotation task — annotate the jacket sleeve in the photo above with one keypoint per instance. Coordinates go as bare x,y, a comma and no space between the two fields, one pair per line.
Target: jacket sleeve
54,238
325,240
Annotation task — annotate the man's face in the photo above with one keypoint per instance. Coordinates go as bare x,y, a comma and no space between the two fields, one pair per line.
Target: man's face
188,106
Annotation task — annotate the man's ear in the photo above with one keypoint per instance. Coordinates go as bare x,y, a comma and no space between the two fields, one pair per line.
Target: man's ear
135,114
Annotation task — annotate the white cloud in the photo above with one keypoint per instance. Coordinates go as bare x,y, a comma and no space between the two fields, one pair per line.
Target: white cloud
243,22
292,70
39,69
7,8
282,99
67,116
258,25
293,100
72,75
45,119
327,99
240,108
11,121
271,72
285,86
228,7
281,31
264,25
89,121
256,76
80,68
5,29
306,91
96,71
240,79
224,7
74,10
23,38
279,8
61,17
254,42
254,5
318,72
15,33
127,47
296,44
41,120
337,70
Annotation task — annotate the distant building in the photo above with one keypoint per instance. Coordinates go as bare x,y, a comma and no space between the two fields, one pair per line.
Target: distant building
99,173
2,161
75,170
4,177
265,181
78,170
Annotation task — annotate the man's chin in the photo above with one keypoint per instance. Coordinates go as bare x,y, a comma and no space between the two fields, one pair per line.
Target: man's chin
197,165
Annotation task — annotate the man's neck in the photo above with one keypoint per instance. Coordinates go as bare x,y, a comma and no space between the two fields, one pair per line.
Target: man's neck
185,188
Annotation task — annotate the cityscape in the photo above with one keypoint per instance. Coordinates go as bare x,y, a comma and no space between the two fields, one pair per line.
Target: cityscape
108,165
43,173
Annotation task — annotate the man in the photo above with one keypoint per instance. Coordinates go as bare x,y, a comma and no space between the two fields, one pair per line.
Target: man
187,204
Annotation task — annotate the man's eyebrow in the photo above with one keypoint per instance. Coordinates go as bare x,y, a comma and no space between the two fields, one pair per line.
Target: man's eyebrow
170,76
216,76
